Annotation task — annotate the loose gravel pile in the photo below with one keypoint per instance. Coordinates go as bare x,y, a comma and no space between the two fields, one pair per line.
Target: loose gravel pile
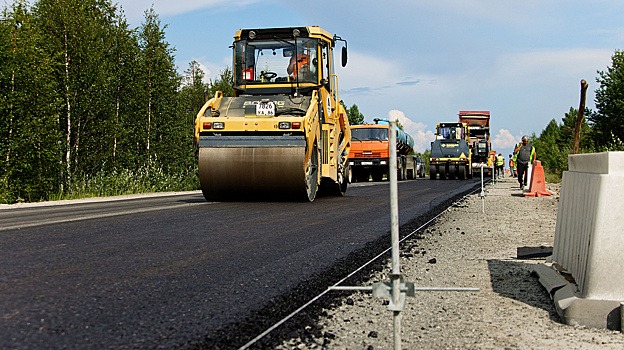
464,248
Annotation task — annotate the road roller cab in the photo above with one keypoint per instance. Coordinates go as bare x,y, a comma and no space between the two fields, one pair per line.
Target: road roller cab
284,133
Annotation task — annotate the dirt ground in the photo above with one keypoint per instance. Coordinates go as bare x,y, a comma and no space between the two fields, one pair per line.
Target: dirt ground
467,247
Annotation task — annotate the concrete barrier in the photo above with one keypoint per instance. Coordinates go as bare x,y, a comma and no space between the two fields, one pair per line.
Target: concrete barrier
589,241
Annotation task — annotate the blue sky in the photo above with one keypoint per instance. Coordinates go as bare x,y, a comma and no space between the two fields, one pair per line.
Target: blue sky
423,61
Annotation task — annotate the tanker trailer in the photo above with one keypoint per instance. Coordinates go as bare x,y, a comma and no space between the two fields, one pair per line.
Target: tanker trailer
284,133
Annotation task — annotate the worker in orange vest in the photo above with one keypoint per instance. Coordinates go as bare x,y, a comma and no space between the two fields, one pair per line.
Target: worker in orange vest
299,64
512,166
492,163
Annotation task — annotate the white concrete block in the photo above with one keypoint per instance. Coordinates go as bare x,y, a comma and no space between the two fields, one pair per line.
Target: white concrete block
589,238
597,163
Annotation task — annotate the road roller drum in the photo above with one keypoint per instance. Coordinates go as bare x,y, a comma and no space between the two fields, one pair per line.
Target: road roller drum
265,172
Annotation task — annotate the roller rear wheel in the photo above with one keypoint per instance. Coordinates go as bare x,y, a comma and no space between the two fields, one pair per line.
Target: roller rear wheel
442,171
312,175
433,172
461,172
343,181
339,187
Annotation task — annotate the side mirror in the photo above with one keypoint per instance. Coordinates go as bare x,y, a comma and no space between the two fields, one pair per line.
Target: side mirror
344,56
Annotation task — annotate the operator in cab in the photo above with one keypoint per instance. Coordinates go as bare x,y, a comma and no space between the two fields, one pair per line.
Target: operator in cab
299,66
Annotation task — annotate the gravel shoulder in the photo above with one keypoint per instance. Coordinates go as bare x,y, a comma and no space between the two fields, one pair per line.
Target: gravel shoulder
466,247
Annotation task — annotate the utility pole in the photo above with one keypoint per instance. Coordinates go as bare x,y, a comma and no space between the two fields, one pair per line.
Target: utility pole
579,117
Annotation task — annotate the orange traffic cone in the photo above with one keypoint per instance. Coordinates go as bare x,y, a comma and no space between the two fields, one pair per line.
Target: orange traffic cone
538,184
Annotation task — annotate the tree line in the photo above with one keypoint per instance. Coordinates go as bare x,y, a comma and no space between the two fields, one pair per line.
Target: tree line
90,106
601,130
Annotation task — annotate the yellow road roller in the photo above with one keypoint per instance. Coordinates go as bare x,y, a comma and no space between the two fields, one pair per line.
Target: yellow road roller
284,134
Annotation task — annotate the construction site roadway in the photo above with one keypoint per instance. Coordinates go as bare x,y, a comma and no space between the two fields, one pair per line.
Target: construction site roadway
176,271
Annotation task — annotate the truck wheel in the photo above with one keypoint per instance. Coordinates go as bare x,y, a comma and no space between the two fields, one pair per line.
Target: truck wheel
443,172
362,176
461,172
433,172
377,175
355,175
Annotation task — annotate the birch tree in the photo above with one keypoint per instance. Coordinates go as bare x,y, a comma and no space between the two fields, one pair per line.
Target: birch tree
160,83
28,110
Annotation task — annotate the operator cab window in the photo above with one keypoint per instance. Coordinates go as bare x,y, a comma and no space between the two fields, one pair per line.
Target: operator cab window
267,61
451,133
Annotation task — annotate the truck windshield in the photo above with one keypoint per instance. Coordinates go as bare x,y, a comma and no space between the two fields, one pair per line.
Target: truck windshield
368,134
275,61
452,133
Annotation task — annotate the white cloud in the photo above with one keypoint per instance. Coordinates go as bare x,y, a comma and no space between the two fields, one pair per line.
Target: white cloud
422,138
134,9
505,140
520,13
368,72
211,70
544,65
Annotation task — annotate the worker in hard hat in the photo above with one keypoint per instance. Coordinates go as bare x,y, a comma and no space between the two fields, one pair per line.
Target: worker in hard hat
302,62
500,165
525,155
512,166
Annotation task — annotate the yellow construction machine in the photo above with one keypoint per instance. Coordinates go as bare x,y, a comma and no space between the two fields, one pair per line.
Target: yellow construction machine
284,134
451,152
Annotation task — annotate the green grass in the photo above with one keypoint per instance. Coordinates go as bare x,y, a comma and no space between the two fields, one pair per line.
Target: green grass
121,182
131,182
552,178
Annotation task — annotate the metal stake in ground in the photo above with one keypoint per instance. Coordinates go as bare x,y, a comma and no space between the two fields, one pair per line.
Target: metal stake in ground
397,289
482,194
395,278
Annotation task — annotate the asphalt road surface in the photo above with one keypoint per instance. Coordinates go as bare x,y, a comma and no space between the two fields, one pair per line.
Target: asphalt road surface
179,272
